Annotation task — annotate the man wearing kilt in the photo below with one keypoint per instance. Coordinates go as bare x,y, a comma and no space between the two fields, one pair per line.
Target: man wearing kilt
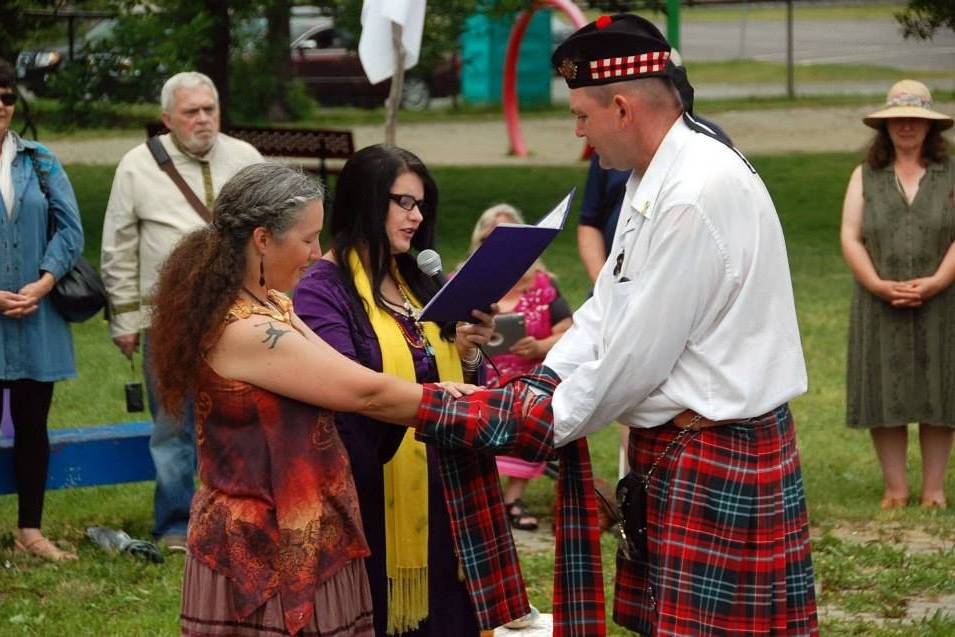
691,340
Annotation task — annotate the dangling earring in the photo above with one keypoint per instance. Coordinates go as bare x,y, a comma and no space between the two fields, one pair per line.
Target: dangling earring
262,272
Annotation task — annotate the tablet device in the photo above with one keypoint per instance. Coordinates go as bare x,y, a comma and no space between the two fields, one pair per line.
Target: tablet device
508,329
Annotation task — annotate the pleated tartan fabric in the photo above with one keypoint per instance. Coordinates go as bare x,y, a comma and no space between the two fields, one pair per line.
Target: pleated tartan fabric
727,534
515,421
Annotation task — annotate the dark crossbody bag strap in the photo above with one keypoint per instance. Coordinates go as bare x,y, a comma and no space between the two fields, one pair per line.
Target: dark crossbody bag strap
165,164
41,180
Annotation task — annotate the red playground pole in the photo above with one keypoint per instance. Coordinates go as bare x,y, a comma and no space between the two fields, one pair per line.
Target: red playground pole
509,86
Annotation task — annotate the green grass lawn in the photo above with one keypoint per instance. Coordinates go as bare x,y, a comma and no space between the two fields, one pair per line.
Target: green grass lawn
745,71
868,580
801,11
775,11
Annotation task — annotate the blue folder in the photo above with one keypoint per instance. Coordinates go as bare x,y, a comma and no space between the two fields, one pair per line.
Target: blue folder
496,266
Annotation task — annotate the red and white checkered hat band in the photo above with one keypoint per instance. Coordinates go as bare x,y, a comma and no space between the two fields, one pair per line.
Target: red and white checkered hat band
629,65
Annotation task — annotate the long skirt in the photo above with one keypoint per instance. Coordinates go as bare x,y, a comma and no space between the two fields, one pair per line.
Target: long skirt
727,534
342,607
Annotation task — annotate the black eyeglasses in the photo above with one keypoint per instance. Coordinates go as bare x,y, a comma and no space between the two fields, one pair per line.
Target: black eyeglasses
8,99
407,202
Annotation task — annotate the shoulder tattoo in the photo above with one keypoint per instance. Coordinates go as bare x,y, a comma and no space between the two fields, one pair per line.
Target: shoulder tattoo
272,334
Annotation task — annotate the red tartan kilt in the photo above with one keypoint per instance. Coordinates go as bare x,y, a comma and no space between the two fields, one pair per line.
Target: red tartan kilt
727,534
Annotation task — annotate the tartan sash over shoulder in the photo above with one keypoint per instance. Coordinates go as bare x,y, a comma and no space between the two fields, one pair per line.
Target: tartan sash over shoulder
515,420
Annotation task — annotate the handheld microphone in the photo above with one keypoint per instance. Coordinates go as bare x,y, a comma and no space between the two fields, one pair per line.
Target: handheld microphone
429,262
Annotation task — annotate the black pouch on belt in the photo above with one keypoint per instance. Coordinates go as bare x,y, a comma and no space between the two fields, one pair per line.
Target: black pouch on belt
134,393
632,500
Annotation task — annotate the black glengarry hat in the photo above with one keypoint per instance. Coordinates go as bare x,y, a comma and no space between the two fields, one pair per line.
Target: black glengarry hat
612,49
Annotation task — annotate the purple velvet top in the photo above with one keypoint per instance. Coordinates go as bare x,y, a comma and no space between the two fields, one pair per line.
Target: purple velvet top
324,303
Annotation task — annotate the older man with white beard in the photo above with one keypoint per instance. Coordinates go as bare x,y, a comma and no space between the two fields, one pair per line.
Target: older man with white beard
147,215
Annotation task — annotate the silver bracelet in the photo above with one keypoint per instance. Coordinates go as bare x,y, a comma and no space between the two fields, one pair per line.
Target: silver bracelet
473,364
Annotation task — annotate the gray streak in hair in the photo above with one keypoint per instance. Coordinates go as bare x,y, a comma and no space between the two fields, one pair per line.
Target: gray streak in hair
268,195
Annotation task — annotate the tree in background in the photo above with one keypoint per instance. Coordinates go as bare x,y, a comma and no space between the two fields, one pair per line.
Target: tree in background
260,64
276,54
922,18
143,47
228,40
241,42
215,49
15,26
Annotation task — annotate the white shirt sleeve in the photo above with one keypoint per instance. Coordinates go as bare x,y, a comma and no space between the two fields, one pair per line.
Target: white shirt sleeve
119,256
646,324
577,345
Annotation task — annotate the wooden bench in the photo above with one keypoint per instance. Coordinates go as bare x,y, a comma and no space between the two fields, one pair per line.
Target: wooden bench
310,144
88,456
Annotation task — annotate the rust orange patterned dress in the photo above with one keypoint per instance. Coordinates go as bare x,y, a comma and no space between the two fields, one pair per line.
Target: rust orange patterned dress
275,537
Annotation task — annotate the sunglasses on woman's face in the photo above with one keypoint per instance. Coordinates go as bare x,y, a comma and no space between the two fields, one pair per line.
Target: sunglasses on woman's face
8,99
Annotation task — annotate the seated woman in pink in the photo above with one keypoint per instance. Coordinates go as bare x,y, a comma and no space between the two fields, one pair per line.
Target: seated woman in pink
547,315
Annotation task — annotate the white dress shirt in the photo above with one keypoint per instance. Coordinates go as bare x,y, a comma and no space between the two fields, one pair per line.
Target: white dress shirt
701,313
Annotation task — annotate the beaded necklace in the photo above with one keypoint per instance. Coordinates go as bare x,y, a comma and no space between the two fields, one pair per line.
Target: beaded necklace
414,339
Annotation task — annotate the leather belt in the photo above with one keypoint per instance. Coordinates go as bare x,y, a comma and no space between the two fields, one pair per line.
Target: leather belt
689,419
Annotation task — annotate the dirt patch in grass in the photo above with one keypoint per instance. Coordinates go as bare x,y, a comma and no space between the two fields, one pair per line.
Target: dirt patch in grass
916,610
916,541
539,541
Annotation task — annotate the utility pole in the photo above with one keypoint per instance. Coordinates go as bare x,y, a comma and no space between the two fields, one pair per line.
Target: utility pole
790,73
673,23
393,103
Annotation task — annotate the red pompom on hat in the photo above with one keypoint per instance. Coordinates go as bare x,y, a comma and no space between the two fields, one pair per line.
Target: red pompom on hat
612,49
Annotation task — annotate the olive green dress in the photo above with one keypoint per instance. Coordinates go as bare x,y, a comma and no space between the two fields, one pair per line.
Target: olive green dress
901,362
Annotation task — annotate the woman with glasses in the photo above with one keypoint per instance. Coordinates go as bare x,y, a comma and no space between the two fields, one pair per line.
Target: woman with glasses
363,298
41,239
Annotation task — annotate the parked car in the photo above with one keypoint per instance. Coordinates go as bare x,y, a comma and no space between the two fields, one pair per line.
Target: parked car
98,70
325,59
35,67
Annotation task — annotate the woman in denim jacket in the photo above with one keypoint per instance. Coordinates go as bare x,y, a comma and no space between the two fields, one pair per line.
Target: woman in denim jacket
36,348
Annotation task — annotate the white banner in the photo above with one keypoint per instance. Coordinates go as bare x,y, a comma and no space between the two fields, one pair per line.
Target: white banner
375,48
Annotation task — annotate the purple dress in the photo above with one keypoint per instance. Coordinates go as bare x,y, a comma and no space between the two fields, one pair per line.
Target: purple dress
322,300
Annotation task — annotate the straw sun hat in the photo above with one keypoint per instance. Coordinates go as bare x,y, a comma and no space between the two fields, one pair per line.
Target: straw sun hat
908,98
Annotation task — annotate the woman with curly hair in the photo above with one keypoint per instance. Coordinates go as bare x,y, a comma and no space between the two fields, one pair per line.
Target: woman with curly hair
898,237
275,539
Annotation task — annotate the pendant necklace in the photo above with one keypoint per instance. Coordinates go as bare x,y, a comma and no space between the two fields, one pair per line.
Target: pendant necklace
264,304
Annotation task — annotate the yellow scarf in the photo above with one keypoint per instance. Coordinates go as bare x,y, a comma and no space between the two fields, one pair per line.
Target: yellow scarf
406,475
